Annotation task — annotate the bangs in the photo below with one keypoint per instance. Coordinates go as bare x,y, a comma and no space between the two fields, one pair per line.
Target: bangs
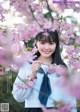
45,39
50,38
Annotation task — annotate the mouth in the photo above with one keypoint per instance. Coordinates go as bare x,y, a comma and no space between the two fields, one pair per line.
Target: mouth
46,52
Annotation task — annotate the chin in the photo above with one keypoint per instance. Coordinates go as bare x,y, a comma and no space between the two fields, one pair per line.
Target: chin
46,56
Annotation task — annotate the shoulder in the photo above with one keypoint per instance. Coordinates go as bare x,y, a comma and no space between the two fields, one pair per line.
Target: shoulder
24,70
26,65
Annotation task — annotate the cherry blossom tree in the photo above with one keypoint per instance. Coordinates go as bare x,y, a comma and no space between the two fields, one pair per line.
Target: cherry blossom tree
60,15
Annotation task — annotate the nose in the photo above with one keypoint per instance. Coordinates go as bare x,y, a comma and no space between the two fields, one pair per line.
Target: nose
46,46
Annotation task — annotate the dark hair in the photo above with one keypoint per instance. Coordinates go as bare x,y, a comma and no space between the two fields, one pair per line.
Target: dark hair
51,37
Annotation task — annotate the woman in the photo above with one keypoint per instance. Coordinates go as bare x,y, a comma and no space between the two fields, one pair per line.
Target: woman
34,84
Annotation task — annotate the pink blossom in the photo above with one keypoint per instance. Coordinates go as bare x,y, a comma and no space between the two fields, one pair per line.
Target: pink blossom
51,69
2,11
34,50
2,18
56,24
69,49
48,110
30,84
71,86
16,36
37,7
3,39
61,70
77,40
65,108
4,58
58,69
47,24
17,47
19,86
33,30
76,65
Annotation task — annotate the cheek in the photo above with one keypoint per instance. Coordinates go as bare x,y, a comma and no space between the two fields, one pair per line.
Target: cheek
53,47
40,46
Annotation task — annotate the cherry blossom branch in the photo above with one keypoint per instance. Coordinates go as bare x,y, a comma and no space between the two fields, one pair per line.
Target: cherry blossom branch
63,42
33,15
49,9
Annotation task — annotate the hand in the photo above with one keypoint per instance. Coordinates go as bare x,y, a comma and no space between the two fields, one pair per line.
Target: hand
35,67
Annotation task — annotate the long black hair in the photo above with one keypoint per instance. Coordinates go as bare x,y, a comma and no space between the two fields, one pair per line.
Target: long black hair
51,37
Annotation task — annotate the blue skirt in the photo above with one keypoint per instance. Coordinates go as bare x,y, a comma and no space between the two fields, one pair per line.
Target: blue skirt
32,110
35,109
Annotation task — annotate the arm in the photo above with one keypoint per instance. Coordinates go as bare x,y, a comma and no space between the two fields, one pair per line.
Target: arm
23,86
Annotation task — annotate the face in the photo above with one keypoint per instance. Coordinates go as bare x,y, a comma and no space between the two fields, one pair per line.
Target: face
46,49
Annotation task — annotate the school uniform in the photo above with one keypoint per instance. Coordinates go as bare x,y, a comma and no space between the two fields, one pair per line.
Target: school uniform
29,91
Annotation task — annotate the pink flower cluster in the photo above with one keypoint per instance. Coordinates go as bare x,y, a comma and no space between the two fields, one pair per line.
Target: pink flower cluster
13,52
2,11
58,69
27,85
65,108
73,56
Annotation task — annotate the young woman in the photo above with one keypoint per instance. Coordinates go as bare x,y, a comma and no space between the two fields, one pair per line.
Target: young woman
34,84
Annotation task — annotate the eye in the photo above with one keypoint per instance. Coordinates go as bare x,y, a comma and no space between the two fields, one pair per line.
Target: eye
42,42
51,43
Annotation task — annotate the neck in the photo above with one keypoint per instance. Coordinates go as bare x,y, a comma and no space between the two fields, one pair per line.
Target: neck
44,60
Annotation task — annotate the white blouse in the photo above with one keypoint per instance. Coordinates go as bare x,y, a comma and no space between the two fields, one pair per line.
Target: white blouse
22,92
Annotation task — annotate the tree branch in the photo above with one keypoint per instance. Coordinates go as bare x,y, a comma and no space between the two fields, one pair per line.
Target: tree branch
33,15
49,10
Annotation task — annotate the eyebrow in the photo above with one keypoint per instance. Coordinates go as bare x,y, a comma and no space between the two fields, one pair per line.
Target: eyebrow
46,41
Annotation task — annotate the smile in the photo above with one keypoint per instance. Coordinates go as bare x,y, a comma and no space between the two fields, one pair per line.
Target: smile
46,51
